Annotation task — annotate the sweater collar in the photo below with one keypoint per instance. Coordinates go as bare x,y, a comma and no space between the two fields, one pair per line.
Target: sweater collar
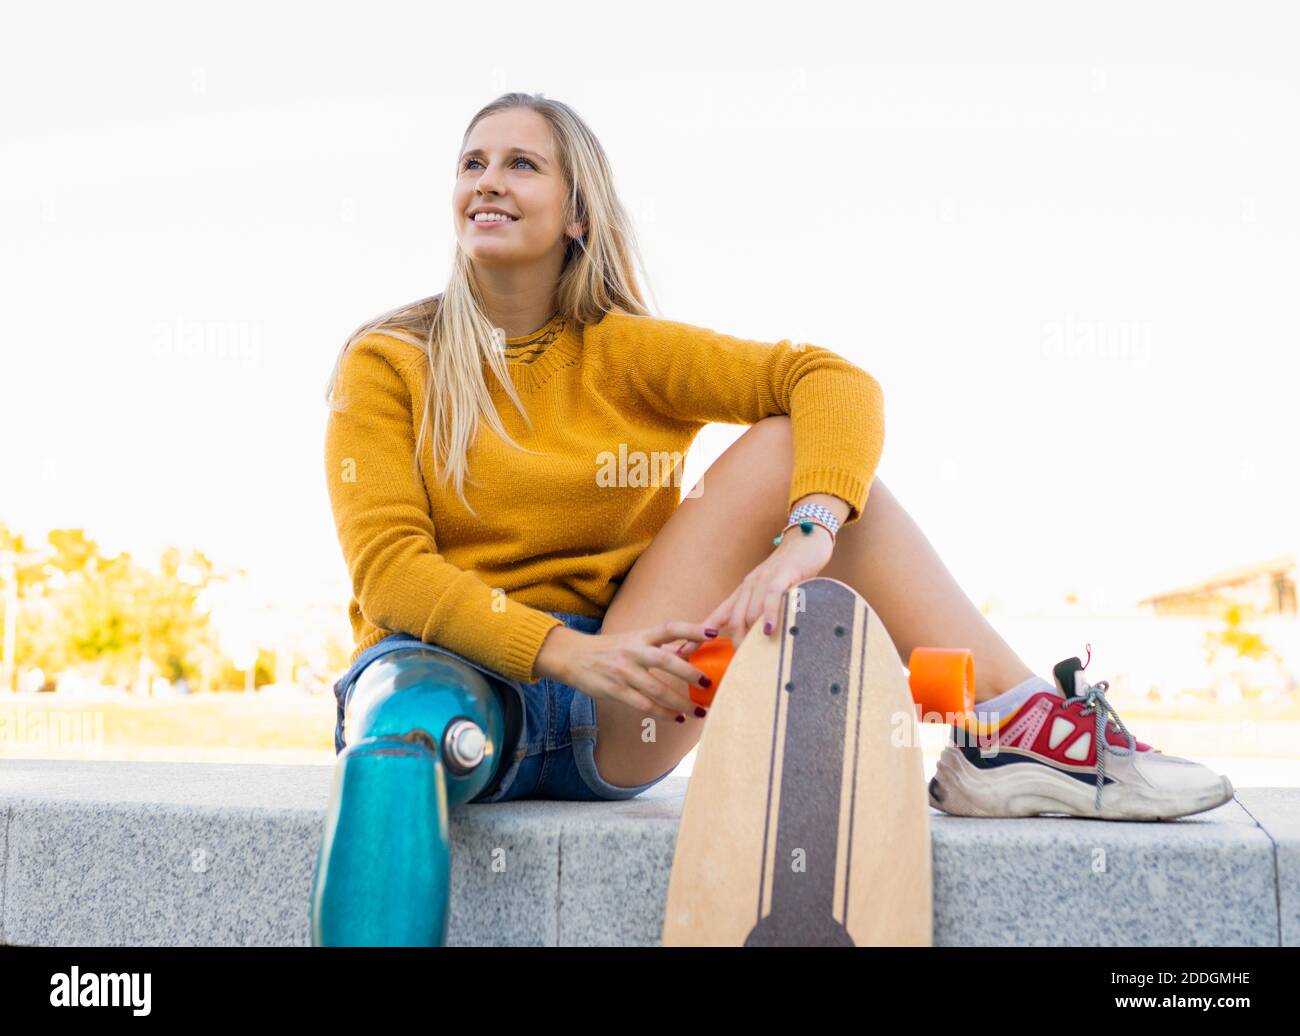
534,340
534,357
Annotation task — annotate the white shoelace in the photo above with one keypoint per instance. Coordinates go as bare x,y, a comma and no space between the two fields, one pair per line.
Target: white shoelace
1094,696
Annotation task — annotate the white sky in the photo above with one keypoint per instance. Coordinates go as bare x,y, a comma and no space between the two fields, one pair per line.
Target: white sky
1066,241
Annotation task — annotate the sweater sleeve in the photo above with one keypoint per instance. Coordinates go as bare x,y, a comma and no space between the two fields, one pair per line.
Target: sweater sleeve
381,512
694,374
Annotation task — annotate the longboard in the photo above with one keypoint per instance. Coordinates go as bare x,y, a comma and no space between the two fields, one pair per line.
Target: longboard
806,821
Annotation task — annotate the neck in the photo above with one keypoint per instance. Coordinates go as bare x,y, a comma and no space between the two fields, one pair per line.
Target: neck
519,300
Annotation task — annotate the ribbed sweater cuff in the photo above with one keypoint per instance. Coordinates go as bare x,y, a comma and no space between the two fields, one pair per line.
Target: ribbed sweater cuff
525,644
835,481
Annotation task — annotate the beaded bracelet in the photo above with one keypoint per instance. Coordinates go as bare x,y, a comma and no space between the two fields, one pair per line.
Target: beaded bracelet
807,526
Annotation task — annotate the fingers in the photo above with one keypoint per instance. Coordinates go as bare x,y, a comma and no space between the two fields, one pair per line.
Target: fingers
669,695
719,614
763,607
772,608
721,619
682,646
744,614
688,631
658,658
660,700
646,706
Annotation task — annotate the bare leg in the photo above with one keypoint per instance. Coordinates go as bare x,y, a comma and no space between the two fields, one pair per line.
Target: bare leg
702,553
887,559
713,541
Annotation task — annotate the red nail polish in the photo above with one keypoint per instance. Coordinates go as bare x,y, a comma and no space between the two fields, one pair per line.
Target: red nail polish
681,719
767,629
709,632
700,712
705,682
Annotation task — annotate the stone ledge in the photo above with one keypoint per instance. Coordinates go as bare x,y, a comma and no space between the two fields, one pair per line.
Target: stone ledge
178,854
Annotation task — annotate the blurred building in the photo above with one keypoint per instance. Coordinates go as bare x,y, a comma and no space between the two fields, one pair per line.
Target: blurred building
1264,588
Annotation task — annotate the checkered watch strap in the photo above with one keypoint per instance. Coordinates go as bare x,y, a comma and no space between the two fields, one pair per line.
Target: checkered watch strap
806,516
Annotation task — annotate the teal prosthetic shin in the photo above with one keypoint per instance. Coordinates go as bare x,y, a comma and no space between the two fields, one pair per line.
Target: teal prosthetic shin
424,732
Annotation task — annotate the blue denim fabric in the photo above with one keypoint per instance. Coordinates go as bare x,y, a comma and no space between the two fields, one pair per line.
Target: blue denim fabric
556,754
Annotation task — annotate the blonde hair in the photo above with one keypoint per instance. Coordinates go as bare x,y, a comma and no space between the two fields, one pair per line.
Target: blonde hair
598,275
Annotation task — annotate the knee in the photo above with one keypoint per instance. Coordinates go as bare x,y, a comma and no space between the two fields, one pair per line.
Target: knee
778,425
769,457
752,477
771,440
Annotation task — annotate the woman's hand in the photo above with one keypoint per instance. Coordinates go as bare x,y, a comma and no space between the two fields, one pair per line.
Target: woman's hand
799,556
620,666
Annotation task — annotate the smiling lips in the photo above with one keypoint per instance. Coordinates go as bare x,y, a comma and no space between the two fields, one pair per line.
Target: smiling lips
499,218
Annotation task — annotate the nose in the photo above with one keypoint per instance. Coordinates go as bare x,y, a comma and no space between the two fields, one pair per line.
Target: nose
488,181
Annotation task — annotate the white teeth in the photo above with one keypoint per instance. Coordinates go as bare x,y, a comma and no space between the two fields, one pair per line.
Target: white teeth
494,217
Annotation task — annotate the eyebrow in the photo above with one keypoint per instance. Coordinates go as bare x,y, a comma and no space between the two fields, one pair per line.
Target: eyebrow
478,152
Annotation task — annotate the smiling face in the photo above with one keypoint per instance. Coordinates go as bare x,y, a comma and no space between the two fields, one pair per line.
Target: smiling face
509,164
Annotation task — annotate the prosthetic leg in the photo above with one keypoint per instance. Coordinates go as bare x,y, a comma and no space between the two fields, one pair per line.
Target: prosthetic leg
424,732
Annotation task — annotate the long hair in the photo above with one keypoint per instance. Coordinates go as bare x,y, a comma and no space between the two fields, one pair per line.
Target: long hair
598,276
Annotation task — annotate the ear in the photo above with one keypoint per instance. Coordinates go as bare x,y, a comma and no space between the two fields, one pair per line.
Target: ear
575,230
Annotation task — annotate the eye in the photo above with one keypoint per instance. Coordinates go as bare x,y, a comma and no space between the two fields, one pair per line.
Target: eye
517,160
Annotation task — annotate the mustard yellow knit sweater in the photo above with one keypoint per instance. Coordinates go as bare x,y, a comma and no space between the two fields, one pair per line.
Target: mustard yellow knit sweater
615,406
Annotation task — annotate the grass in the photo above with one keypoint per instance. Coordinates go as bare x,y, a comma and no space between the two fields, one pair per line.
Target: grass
255,728
202,727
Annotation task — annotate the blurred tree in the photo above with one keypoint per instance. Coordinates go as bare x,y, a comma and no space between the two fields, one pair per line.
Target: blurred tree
65,605
1234,637
232,678
112,617
23,577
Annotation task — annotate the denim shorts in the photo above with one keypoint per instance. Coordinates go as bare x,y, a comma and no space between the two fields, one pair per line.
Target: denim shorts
555,757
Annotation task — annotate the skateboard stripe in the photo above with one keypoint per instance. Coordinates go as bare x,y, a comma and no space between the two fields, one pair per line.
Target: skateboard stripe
773,769
860,690
804,802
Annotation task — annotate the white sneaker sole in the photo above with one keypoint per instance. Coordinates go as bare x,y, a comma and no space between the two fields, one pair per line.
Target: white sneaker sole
1030,789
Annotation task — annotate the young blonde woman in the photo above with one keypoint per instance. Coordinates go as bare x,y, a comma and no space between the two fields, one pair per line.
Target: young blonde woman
553,552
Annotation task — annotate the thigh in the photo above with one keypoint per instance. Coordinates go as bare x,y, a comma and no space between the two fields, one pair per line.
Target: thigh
715,538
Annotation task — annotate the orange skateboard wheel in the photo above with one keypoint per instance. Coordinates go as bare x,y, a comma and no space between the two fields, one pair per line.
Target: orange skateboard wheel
711,658
942,680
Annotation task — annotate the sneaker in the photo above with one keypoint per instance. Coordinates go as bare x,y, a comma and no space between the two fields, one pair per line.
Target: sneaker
1043,759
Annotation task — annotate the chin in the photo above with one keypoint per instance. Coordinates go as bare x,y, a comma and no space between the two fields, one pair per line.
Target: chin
491,257
494,250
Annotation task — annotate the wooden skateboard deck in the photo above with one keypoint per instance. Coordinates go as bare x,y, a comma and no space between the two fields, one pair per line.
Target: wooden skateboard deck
806,821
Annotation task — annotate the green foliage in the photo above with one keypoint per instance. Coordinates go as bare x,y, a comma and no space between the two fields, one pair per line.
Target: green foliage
109,616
